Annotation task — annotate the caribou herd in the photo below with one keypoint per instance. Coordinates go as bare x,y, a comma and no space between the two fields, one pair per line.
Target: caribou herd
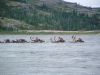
38,40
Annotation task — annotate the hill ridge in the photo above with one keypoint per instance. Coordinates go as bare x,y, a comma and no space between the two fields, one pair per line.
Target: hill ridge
52,14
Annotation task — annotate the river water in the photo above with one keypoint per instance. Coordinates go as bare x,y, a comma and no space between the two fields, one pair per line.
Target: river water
50,58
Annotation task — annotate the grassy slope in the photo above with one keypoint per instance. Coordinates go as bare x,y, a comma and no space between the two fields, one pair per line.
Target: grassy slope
13,24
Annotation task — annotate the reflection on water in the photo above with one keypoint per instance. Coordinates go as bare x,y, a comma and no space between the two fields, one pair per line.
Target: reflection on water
50,58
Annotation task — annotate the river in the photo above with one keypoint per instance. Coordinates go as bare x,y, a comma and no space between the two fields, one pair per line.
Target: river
50,58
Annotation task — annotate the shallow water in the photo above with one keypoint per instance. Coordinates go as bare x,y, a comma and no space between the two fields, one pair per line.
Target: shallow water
50,58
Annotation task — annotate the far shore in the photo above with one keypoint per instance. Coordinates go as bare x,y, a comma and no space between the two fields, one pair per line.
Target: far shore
27,32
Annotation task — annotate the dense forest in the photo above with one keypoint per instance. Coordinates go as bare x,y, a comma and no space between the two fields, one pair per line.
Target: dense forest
43,16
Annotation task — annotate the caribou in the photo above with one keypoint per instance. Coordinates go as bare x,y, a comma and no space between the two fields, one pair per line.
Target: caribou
59,40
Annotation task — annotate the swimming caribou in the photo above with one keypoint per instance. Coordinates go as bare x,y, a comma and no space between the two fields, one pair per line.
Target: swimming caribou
37,40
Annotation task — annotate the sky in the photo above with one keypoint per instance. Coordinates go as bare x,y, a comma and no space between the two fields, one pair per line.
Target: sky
89,3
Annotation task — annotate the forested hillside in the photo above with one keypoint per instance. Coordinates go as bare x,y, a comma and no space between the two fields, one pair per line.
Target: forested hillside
47,15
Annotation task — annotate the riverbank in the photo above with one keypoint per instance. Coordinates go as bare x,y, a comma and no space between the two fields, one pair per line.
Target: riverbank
28,32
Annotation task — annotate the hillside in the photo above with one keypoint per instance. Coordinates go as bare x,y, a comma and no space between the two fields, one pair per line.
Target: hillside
11,24
49,15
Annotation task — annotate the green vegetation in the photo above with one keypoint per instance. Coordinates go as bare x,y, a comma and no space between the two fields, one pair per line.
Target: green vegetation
46,32
33,14
13,25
